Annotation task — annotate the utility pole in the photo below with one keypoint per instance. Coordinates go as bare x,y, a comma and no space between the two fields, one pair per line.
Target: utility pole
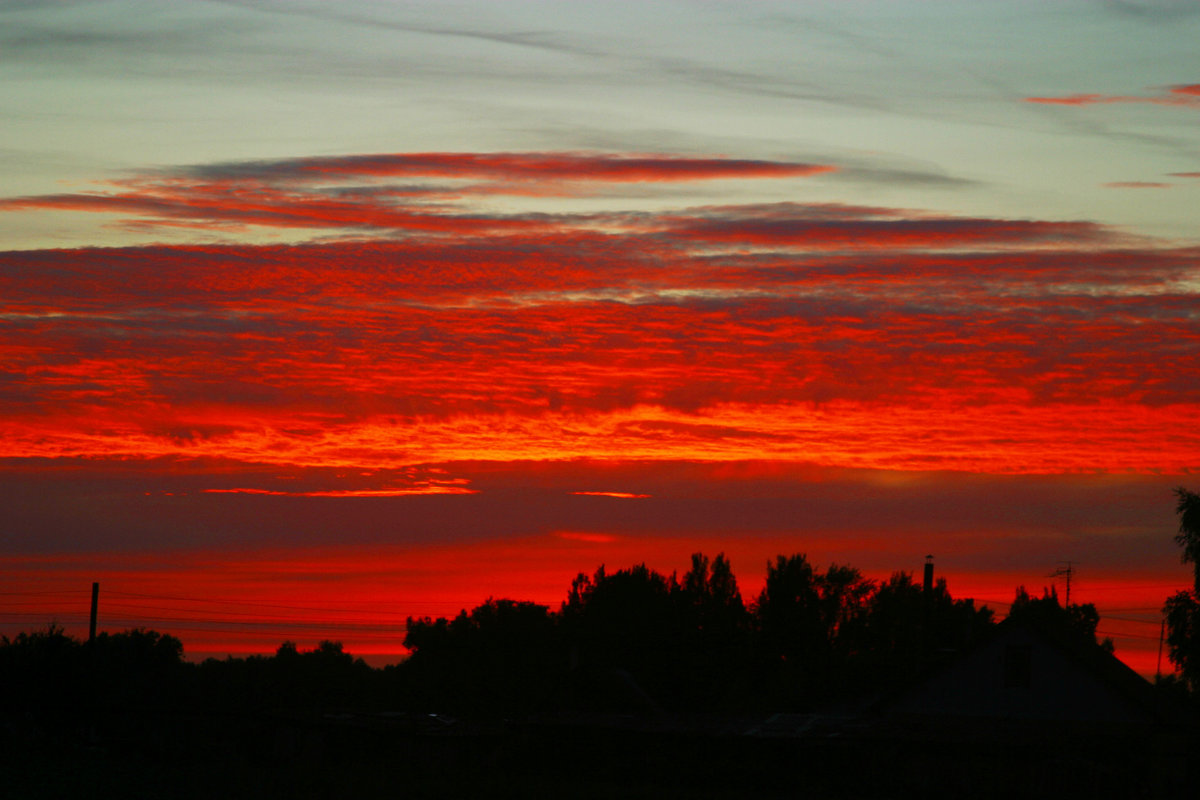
95,604
1067,572
1162,633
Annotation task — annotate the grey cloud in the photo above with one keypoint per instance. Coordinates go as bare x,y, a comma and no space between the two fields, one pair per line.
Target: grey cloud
899,177
759,83
1154,10
539,40
127,41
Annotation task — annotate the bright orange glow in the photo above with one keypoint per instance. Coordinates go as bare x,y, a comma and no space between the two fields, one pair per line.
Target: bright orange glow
1049,439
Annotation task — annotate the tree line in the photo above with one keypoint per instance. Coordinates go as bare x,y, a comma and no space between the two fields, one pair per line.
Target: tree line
632,639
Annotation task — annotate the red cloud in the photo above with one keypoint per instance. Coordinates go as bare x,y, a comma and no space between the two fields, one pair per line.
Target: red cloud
1187,96
295,194
202,206
404,492
1074,100
842,335
788,379
620,168
1137,185
595,538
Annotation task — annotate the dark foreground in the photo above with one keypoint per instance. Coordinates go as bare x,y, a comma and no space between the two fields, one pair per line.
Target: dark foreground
400,755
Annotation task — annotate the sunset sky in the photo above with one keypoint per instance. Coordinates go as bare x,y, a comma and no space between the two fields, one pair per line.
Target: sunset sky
314,316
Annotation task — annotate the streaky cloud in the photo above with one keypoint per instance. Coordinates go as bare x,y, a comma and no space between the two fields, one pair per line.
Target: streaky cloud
405,492
1183,95
617,167
1157,11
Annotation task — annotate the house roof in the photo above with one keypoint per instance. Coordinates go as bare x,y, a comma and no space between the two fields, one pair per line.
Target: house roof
1098,669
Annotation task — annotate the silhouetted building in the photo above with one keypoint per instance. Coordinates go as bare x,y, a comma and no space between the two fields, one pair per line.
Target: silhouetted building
1027,672
1042,710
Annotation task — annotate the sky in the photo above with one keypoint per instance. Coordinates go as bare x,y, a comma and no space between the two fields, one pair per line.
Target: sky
317,316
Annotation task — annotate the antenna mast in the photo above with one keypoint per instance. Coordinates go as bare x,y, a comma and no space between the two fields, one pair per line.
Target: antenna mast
1066,572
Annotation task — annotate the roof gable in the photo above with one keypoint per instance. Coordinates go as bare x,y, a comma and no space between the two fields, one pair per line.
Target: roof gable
1025,671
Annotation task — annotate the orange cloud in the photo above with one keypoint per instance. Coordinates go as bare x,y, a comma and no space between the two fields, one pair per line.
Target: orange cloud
1186,96
351,492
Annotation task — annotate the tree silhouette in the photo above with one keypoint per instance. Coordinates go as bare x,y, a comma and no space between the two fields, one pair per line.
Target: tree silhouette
1187,508
682,642
1182,614
714,633
1182,610
844,602
137,668
626,623
788,613
712,590
43,670
906,629
1077,619
894,641
502,655
809,623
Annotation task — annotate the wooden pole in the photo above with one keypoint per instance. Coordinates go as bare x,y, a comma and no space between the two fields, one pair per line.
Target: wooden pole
95,604
1162,634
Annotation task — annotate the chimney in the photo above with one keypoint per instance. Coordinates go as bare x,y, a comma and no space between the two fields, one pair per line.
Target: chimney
928,584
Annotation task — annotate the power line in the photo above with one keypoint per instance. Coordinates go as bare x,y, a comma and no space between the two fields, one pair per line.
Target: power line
356,616
207,599
63,592
1116,635
1154,622
331,633
267,626
249,604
